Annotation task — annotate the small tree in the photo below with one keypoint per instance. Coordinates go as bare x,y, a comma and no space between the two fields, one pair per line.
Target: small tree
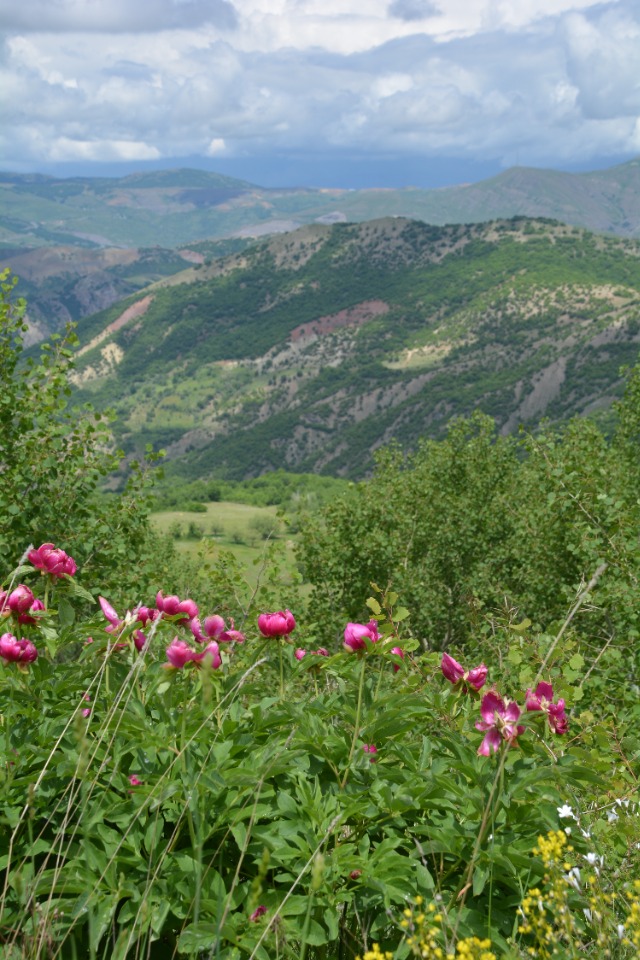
53,459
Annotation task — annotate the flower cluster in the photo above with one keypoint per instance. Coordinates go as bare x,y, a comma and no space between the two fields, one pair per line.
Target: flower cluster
53,561
13,650
183,613
456,674
423,935
500,716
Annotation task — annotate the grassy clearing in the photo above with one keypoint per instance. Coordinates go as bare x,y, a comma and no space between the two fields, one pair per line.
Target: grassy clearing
241,528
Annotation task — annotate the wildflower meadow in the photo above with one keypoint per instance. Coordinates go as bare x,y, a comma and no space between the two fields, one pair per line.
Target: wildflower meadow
195,767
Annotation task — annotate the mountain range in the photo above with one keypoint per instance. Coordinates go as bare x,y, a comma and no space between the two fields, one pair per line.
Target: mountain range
81,244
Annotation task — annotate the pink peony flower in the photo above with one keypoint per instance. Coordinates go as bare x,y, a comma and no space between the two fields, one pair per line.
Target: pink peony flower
210,656
214,628
115,623
454,672
257,913
140,640
542,699
499,720
179,653
355,635
300,654
399,652
372,749
20,599
26,617
146,614
53,561
172,605
17,651
278,624
321,652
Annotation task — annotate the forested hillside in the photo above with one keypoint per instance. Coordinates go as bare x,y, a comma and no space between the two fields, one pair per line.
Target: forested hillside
312,349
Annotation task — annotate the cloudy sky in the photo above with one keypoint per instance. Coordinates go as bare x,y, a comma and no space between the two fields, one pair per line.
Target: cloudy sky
322,92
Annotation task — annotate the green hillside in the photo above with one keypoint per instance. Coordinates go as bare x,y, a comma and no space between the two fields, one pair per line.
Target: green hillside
310,350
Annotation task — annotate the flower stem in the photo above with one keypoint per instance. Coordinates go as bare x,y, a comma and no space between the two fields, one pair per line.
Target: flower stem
281,672
356,728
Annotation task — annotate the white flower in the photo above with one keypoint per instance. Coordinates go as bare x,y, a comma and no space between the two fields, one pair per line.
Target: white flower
621,931
588,914
567,830
566,811
573,877
612,816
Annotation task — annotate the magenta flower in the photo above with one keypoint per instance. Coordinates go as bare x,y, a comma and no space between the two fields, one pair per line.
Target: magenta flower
278,624
26,617
115,623
17,651
172,605
499,720
372,749
178,654
355,635
146,614
455,673
20,600
257,913
209,657
135,781
140,640
399,652
300,654
321,652
53,561
214,628
542,699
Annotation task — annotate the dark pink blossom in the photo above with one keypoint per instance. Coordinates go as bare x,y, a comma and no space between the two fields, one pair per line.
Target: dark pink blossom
355,874
372,749
209,657
399,652
257,913
179,653
140,640
214,628
52,560
321,652
172,605
115,623
300,654
146,614
356,635
455,673
134,780
26,617
499,721
278,624
542,699
20,599
17,651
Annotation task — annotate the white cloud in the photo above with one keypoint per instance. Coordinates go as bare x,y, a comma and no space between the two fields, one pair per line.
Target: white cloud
538,81
114,16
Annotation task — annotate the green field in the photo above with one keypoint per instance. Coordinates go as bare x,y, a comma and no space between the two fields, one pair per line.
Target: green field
241,528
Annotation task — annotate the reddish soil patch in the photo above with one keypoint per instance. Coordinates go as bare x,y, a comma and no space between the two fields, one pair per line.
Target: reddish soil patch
352,317
136,310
